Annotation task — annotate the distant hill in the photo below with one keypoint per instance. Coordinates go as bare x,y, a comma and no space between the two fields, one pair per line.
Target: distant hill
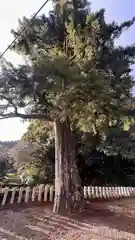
22,152
5,147
8,144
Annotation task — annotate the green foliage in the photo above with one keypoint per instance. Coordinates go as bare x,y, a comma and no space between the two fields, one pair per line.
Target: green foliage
3,168
77,71
6,165
95,167
118,142
42,165
100,169
38,173
44,177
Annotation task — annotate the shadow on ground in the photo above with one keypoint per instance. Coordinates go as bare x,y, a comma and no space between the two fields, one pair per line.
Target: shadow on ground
117,214
100,220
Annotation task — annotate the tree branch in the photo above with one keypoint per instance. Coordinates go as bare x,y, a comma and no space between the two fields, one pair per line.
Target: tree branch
24,116
10,101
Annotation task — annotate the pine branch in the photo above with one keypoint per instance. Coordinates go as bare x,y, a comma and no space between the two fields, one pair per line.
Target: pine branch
24,116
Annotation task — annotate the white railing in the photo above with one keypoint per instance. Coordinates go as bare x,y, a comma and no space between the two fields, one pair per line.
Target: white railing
97,192
46,193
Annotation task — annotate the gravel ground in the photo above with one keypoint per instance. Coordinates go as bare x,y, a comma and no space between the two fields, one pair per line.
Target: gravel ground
100,221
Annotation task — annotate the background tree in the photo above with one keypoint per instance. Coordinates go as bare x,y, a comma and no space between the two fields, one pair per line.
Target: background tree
40,134
6,160
113,164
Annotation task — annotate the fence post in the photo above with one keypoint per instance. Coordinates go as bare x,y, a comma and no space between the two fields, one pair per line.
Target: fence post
46,192
121,192
107,192
104,193
13,195
96,192
133,192
89,192
113,195
34,190
40,191
20,196
5,191
124,192
110,193
93,192
128,191
51,193
117,192
85,192
131,189
99,192
27,194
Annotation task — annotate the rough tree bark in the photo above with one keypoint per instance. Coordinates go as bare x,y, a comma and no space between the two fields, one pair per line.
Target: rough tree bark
68,190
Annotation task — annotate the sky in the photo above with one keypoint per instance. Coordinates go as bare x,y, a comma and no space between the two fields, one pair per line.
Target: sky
11,11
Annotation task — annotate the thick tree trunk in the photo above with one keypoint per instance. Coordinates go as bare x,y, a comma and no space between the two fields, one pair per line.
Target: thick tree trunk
68,189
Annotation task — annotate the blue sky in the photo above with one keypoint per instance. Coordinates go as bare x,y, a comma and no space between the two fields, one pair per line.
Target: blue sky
119,11
11,11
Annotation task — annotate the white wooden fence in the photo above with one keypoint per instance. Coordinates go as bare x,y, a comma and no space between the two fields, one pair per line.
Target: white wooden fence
46,193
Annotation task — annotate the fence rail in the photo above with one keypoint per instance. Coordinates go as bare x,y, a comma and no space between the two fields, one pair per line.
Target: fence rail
46,193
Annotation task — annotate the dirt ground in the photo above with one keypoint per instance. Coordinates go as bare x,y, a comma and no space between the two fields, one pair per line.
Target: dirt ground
99,221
